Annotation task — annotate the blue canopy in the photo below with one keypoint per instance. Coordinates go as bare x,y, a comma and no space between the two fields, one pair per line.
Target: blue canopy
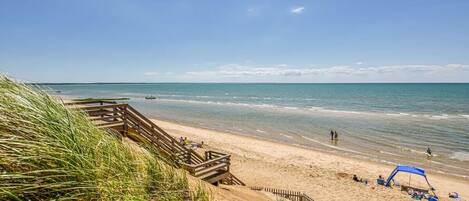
409,169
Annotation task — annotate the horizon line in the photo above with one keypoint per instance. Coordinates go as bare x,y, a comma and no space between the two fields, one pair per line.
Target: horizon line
76,83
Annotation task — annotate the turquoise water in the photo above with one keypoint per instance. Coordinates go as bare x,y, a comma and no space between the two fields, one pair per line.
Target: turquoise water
390,123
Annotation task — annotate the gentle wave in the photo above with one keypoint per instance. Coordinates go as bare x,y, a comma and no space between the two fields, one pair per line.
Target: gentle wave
389,153
438,117
398,114
219,103
332,146
450,166
462,156
341,111
287,136
320,109
227,97
407,149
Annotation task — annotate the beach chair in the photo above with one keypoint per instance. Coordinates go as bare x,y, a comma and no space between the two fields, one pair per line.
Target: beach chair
407,188
380,181
433,199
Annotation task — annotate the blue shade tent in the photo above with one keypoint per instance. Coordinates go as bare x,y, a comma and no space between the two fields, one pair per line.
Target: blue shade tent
408,169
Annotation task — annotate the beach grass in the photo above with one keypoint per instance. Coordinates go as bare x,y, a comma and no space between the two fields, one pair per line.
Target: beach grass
49,152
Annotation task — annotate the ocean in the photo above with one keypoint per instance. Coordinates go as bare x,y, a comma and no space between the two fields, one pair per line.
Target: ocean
388,123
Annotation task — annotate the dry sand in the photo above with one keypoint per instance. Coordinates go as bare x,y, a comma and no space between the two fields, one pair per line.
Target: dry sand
323,176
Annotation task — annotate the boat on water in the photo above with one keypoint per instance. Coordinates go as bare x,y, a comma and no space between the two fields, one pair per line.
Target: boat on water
150,97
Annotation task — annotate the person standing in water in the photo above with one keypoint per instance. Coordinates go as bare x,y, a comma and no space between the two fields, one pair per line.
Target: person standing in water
429,153
336,136
332,134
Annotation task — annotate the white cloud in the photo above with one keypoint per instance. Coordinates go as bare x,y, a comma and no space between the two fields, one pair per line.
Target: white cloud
151,73
297,10
252,11
392,73
359,63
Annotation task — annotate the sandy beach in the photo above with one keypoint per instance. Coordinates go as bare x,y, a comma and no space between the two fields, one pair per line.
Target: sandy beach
323,176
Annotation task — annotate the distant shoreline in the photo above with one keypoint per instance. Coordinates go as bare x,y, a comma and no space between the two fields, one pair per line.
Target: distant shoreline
255,83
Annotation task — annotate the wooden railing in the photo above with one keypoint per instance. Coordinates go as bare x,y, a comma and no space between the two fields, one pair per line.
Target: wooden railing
203,169
213,154
291,195
213,168
216,165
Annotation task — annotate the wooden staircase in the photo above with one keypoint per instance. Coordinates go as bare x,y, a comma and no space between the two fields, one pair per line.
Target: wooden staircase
214,167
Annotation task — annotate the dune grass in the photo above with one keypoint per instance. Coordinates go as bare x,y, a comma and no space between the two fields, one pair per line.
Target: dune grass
48,152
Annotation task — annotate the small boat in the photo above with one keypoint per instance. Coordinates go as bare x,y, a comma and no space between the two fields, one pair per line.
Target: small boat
150,97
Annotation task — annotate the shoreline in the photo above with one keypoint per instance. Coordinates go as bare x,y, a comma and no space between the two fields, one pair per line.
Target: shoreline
321,174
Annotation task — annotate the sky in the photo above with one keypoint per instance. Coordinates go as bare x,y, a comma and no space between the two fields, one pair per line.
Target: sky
235,41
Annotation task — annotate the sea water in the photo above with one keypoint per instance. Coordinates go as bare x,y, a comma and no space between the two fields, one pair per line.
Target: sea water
390,123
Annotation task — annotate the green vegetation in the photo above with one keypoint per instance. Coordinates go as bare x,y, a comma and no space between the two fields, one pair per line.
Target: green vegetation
48,152
101,99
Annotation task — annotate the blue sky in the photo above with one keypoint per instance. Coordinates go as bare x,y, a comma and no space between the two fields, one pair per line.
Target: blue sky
235,41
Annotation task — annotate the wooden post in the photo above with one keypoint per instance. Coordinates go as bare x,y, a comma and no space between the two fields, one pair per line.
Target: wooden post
228,160
124,118
189,157
101,103
114,113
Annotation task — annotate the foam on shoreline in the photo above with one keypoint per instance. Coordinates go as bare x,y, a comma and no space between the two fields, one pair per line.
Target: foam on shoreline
314,109
462,156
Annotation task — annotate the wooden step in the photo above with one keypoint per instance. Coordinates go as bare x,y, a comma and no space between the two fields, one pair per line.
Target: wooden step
217,177
205,171
104,118
110,125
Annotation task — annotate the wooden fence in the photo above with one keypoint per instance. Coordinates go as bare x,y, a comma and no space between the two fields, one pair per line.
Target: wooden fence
288,194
